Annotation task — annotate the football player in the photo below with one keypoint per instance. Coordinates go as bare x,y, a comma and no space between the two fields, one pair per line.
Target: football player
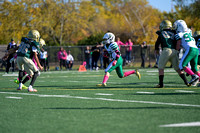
117,61
197,39
184,38
28,49
169,52
28,77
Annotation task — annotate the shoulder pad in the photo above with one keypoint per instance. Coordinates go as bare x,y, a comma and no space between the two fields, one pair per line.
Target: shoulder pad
158,32
36,44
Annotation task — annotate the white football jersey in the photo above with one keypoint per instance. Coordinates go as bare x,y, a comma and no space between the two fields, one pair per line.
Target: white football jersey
186,39
111,50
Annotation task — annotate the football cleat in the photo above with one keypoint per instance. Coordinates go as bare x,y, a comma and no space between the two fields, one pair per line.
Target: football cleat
159,86
188,85
194,80
32,90
138,74
19,88
24,87
102,85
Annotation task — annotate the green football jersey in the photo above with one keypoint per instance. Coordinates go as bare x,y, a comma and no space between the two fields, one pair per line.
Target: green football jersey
166,39
26,47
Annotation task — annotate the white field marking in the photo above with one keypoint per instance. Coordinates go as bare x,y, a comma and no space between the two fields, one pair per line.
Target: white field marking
184,91
151,74
72,81
142,92
40,81
103,94
14,74
189,124
14,97
166,70
63,76
104,99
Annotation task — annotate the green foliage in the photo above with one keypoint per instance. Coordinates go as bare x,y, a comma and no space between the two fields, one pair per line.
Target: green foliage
91,40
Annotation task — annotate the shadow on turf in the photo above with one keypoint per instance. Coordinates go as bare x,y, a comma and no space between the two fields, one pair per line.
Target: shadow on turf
116,108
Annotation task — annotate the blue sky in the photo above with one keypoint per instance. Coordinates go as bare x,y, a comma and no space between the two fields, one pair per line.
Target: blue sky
162,5
165,5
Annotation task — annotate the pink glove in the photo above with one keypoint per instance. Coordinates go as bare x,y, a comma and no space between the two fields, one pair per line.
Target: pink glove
114,62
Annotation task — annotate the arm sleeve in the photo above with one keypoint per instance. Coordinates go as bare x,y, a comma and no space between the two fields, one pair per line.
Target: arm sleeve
158,42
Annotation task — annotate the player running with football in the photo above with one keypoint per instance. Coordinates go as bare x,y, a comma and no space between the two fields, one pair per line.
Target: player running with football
117,61
185,39
169,52
28,49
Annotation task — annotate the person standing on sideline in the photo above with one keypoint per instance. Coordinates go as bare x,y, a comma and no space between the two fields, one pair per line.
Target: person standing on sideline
88,57
169,53
143,49
43,58
11,45
70,60
62,57
119,43
128,47
95,56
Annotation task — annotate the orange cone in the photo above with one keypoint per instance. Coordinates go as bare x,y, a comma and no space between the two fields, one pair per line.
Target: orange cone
82,68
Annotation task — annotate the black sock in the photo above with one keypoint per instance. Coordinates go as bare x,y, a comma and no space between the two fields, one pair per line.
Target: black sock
184,78
26,79
20,76
161,77
34,78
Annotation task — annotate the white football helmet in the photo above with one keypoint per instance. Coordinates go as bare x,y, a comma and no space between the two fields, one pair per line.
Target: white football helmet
180,26
108,38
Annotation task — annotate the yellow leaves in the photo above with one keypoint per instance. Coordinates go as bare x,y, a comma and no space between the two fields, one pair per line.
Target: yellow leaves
64,22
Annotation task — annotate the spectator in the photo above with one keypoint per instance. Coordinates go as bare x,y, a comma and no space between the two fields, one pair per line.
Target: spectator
119,43
43,59
128,47
101,47
95,56
88,57
11,45
143,53
70,61
62,57
105,58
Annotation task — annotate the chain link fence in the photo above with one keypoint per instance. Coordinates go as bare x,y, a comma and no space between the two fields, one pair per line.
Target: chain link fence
79,56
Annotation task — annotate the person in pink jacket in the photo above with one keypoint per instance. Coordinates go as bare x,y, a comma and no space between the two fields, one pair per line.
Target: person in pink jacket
62,57
128,47
119,43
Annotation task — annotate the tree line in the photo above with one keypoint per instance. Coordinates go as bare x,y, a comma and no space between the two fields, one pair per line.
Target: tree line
84,22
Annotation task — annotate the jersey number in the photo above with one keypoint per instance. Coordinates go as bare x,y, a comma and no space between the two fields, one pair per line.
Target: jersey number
23,48
188,37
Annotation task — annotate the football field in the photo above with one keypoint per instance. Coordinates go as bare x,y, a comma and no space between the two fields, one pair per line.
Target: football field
70,102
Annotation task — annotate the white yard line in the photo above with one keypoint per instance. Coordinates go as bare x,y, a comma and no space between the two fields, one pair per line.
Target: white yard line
103,99
189,124
103,94
14,97
184,91
142,92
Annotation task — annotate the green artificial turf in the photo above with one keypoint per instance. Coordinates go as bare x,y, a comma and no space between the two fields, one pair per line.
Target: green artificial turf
70,102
